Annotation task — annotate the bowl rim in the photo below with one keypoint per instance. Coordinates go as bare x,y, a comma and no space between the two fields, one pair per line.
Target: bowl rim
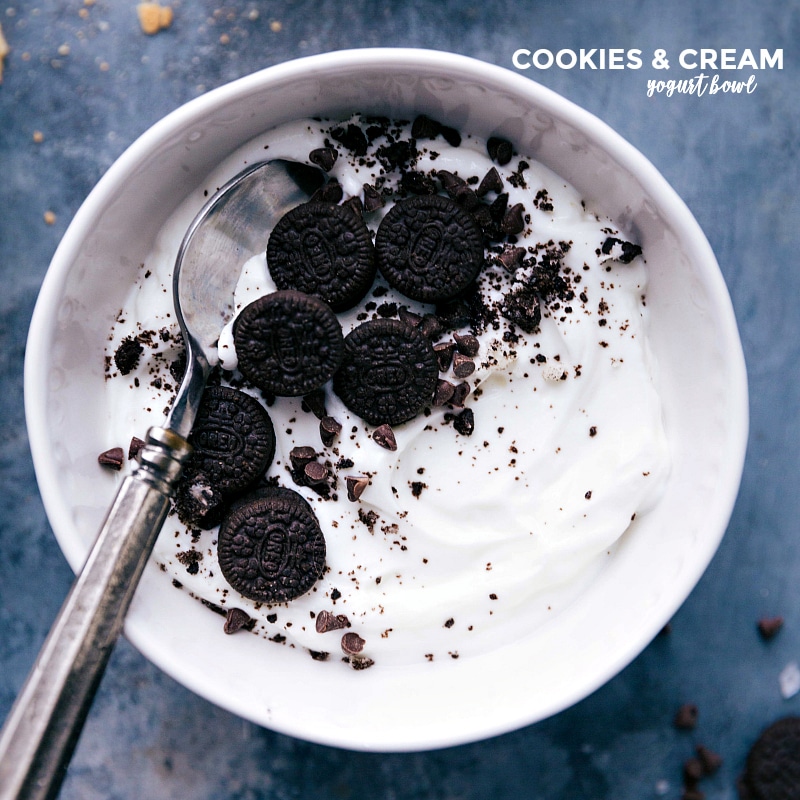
457,67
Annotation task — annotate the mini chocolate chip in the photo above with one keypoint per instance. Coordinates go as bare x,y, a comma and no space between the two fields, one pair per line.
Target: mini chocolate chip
430,326
491,182
355,205
460,393
327,621
329,193
135,447
315,473
423,127
710,760
329,429
511,257
300,456
352,644
499,149
324,157
686,717
409,317
384,436
355,486
112,458
373,200
315,402
352,137
463,366
467,344
236,620
444,354
768,627
464,423
444,392
513,220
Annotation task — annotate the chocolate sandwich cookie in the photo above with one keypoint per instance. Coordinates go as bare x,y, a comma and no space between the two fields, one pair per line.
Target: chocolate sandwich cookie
429,248
773,764
271,548
325,250
389,372
288,343
233,440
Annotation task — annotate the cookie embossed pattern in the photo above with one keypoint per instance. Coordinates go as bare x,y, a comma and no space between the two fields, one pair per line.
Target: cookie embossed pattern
493,397
141,208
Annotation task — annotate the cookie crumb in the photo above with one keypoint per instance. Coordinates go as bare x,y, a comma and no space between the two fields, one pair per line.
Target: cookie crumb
49,217
153,17
4,51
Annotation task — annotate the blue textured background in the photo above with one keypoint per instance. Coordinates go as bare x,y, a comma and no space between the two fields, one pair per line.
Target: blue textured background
733,158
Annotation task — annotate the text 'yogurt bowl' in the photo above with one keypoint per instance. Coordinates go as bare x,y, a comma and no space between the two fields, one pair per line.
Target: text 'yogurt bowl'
523,672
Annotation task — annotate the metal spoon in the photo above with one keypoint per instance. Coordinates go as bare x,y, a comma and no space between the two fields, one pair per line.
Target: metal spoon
43,727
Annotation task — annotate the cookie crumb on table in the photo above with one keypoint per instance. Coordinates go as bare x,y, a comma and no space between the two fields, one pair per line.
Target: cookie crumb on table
153,17
4,51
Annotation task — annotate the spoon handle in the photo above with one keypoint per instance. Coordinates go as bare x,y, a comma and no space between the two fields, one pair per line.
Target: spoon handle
43,727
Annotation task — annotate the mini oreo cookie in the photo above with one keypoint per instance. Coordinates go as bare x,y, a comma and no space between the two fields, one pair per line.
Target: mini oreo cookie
773,763
389,372
429,248
288,343
271,548
325,250
233,440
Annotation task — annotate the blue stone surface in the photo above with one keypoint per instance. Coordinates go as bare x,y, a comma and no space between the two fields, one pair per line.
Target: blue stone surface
84,75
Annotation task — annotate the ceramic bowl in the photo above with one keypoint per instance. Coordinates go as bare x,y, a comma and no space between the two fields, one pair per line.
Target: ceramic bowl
693,337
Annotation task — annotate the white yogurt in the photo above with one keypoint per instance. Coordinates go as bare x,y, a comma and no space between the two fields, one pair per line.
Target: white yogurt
460,543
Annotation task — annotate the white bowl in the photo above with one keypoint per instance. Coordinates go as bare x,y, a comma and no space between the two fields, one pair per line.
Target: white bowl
694,339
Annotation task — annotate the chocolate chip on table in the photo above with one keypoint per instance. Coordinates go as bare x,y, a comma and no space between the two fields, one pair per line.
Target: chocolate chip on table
233,440
499,149
388,373
325,250
686,717
768,627
384,436
113,458
429,248
271,548
772,769
710,760
288,343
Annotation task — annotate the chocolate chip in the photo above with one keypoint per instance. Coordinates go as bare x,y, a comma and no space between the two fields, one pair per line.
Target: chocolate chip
464,423
233,440
460,393
429,248
430,326
288,343
491,182
355,486
388,373
329,193
323,157
467,344
236,620
315,473
300,456
768,627
327,621
329,430
444,392
384,436
499,149
315,403
113,458
444,354
271,549
710,760
423,127
686,717
373,200
135,447
352,137
352,644
463,366
513,220
511,257
324,250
